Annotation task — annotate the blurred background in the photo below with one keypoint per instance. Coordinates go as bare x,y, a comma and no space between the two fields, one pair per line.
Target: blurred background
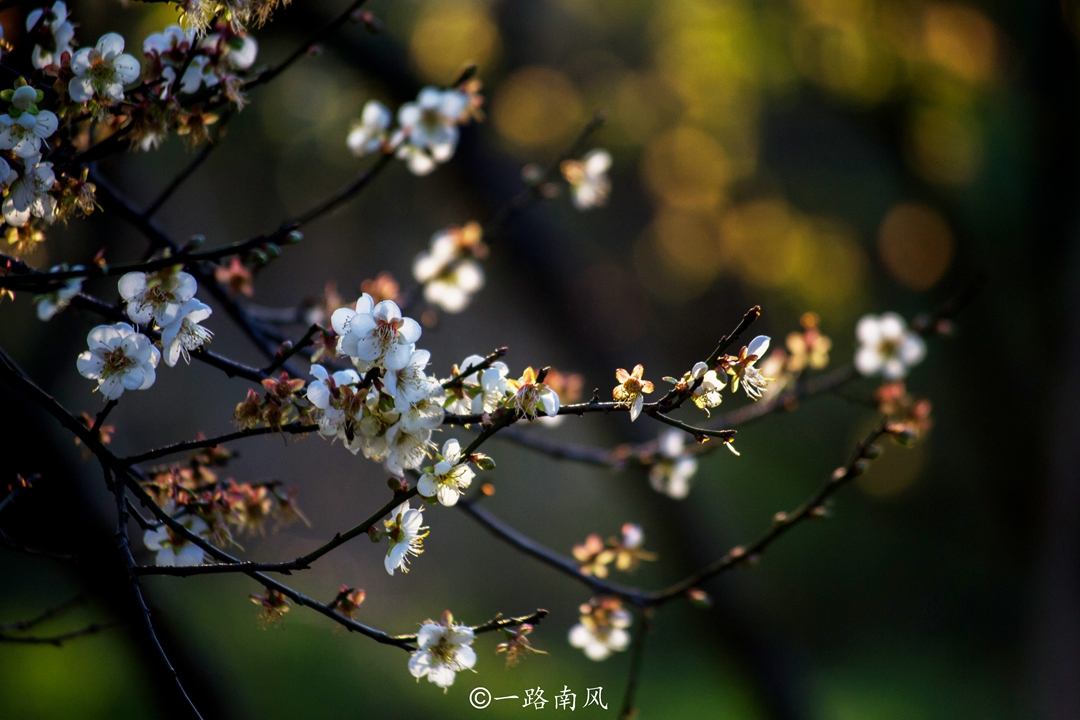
835,156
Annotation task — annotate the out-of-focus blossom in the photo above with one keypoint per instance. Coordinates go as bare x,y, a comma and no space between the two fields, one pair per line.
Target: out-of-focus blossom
887,347
589,183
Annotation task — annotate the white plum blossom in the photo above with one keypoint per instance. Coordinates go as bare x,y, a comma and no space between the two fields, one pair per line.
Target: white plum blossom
375,334
448,269
494,386
30,196
410,382
119,359
408,444
443,650
102,71
156,296
173,548
406,531
589,183
449,477
743,369
170,48
531,397
368,135
887,346
602,632
673,468
708,394
184,333
335,396
8,175
50,303
53,21
453,289
430,128
24,126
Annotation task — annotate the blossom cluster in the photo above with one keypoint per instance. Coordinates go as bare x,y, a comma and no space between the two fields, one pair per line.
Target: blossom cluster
213,509
186,76
602,628
120,358
625,552
427,129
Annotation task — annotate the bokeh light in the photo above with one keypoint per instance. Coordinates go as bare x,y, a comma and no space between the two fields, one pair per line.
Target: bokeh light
916,245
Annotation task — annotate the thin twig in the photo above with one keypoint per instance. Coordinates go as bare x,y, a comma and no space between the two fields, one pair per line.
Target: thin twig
637,657
57,640
124,546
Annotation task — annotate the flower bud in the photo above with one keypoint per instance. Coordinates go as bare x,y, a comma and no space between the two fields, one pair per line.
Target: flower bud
871,452
294,237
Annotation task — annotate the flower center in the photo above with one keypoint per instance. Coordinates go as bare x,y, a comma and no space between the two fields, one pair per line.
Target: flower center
116,362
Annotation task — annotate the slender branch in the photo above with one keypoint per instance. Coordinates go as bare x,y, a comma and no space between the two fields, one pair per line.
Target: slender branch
318,36
458,380
124,546
191,167
782,522
700,434
294,428
58,640
48,614
545,555
14,546
284,353
637,657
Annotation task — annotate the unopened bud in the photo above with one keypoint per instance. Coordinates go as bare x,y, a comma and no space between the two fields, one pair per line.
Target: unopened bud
484,462
780,518
258,257
859,467
315,50
194,243
294,237
871,452
819,512
374,534
272,250
839,474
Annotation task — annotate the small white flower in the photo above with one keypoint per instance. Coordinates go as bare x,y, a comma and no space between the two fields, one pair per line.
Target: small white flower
368,135
24,132
406,531
48,304
408,443
448,478
589,183
334,395
172,548
410,383
601,634
30,196
119,359
494,387
531,397
431,123
156,296
58,26
442,652
743,370
453,289
672,469
375,334
708,394
103,70
184,333
887,347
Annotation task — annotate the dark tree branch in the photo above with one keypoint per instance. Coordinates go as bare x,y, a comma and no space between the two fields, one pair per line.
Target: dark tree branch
124,546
